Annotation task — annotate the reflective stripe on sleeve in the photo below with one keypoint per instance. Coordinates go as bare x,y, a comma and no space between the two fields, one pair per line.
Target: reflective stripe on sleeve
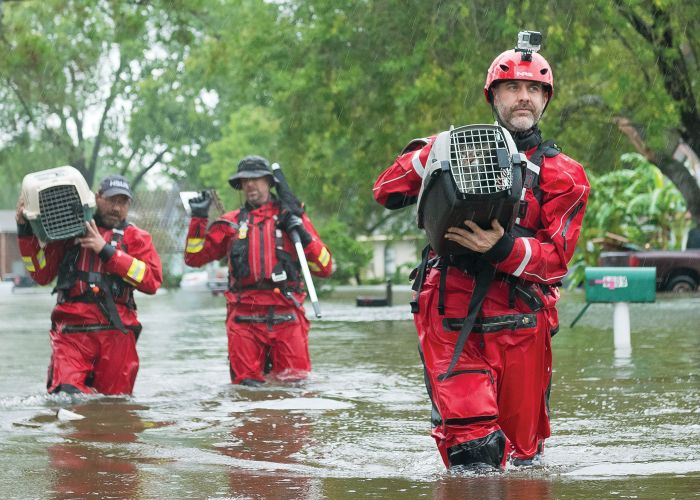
417,165
314,267
526,258
28,264
136,271
324,257
194,245
41,258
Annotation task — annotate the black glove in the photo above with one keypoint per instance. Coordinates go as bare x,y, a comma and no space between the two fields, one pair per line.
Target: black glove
289,222
199,206
289,202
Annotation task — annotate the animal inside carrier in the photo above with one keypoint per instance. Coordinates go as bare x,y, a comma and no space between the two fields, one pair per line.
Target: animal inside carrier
473,173
57,203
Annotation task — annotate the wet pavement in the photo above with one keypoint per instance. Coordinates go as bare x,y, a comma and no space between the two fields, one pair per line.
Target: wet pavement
623,425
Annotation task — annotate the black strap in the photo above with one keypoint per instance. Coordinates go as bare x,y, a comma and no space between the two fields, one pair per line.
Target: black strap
93,328
67,272
111,307
442,267
482,280
418,276
270,319
546,148
104,301
531,181
273,319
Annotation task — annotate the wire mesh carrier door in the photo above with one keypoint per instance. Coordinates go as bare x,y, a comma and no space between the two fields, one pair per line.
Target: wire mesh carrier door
473,173
57,203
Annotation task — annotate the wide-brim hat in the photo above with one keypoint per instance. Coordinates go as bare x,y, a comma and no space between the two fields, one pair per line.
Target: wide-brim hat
251,167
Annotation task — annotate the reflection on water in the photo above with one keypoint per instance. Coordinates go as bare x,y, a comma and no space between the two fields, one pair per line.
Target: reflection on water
624,424
88,460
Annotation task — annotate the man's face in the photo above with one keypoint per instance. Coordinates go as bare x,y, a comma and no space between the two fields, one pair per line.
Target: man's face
256,190
519,103
113,209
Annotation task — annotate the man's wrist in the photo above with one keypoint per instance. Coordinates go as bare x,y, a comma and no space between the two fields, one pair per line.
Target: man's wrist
501,250
106,253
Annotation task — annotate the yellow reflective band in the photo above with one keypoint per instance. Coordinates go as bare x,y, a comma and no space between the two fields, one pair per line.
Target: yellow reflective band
314,267
29,264
325,257
136,271
195,245
41,258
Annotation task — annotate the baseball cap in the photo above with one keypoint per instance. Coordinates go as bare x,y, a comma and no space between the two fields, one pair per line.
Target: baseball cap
113,185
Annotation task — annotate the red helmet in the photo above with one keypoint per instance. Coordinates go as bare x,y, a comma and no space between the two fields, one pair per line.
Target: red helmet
510,66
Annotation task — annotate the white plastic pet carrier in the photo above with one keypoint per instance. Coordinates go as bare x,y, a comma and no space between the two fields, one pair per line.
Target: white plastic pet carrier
57,203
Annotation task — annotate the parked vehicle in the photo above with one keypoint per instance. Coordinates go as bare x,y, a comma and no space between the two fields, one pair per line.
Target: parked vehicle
218,280
676,271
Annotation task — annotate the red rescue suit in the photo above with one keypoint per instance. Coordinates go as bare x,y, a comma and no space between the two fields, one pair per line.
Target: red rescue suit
265,314
494,404
94,325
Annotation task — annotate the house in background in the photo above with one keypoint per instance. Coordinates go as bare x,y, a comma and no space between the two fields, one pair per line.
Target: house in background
390,253
10,260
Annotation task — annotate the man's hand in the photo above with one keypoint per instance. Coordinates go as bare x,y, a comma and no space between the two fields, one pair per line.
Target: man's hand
474,238
199,206
289,222
19,212
92,240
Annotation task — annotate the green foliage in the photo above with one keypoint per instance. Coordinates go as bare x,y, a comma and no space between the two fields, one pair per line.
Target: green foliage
634,202
349,256
98,85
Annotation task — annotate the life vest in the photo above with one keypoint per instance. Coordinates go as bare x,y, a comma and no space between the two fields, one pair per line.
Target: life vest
253,263
531,176
79,280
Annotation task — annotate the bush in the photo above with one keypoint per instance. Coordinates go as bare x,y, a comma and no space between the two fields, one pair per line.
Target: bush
349,256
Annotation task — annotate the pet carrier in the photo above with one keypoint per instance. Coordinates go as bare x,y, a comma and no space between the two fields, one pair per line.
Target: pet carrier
473,173
57,203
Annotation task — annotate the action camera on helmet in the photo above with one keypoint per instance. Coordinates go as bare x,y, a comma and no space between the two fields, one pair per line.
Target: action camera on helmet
528,42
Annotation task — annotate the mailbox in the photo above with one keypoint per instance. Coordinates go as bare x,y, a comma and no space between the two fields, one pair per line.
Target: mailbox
620,284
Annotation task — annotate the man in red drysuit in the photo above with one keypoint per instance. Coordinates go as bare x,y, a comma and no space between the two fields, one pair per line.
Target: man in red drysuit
94,326
265,320
493,405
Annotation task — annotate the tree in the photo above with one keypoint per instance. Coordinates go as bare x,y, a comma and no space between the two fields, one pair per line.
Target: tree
631,71
97,85
350,84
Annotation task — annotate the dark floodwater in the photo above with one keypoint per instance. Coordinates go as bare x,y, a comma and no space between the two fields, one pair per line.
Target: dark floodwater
623,426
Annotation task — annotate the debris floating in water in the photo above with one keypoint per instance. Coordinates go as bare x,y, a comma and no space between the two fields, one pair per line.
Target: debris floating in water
64,414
